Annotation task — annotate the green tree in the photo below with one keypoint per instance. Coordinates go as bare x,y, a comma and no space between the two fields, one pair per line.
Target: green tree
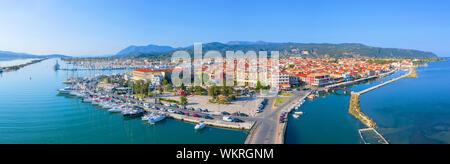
183,87
165,82
183,100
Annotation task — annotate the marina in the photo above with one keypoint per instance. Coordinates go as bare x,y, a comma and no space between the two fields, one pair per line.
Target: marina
65,118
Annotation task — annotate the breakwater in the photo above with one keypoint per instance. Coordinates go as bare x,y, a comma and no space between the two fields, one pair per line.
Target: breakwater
17,67
355,106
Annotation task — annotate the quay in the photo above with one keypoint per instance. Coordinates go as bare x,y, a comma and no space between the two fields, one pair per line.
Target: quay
329,87
386,83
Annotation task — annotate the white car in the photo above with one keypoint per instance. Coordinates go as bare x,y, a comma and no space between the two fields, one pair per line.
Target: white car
228,119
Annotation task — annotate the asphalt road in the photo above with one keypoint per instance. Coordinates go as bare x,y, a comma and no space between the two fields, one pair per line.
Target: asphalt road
267,127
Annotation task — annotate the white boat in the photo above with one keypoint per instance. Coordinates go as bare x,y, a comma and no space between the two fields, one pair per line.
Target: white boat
156,118
299,113
296,116
96,101
147,117
200,126
66,90
87,99
117,109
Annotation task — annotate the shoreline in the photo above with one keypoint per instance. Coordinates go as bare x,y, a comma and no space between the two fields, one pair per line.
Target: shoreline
20,66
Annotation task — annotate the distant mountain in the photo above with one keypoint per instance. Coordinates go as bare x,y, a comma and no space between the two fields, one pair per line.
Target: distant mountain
307,50
7,55
132,50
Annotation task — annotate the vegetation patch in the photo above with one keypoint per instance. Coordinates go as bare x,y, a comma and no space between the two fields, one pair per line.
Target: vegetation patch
355,111
286,95
278,102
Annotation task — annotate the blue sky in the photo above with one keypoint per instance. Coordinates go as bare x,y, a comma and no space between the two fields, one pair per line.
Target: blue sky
97,27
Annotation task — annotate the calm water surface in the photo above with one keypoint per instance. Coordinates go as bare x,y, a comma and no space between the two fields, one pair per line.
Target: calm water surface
406,111
32,112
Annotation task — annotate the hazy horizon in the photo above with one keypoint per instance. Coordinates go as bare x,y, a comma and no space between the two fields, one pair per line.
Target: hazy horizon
104,27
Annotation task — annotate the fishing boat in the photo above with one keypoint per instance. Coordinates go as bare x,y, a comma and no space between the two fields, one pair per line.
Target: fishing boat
200,126
297,114
156,118
312,97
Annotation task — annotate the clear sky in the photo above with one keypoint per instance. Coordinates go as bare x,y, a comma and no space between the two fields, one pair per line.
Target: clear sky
97,27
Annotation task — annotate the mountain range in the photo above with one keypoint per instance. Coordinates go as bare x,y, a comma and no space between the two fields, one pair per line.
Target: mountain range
313,50
8,55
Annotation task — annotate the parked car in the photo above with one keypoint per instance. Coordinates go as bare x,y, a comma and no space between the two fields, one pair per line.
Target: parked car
243,115
228,119
237,120
196,115
180,112
226,113
235,114
208,117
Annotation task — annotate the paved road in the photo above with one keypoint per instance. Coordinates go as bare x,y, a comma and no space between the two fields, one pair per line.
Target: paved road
267,127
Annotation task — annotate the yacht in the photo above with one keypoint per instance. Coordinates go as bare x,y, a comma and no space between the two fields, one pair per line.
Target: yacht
146,117
87,99
133,113
200,126
117,109
156,118
66,90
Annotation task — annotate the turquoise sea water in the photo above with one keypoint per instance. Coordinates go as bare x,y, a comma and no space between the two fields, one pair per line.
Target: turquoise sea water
32,112
406,111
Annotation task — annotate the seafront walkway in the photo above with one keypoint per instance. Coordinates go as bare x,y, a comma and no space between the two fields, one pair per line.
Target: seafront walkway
268,129
358,80
383,84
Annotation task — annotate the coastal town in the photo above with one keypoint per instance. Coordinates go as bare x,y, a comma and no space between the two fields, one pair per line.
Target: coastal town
146,91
